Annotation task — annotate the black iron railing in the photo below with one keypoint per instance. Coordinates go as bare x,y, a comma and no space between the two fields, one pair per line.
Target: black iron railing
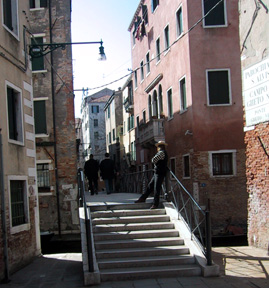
195,218
82,203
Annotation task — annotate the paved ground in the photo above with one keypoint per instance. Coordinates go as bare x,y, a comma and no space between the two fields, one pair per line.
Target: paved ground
240,267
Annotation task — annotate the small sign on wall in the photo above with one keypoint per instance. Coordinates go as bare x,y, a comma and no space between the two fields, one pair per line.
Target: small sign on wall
256,93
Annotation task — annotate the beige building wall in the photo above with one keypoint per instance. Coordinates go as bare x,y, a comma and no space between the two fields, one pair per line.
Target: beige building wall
19,235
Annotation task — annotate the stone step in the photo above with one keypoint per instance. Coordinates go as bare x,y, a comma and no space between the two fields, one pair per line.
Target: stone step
132,227
137,243
131,219
123,235
146,261
122,213
151,272
142,252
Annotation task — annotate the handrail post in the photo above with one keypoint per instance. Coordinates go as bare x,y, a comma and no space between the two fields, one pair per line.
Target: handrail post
208,238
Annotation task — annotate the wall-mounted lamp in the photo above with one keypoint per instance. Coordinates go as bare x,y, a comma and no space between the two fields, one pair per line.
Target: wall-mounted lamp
39,50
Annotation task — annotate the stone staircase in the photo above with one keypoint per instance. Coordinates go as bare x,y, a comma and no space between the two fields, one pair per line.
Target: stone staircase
134,242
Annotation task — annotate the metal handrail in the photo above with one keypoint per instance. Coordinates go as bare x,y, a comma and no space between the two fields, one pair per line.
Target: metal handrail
82,203
196,219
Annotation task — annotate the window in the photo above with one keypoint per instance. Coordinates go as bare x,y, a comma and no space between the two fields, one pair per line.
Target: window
109,137
148,63
95,122
223,163
43,177
179,22
15,124
149,107
145,13
37,63
144,116
161,100
173,167
217,17
155,111
170,103
95,109
133,151
186,166
19,206
137,126
10,16
218,87
182,94
96,135
135,78
154,5
38,4
108,112
40,117
142,70
166,38
113,134
130,122
158,50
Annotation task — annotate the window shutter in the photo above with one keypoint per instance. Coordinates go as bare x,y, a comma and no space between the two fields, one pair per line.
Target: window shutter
43,3
40,117
37,63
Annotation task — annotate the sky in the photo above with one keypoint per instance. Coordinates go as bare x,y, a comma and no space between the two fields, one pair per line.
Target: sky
96,20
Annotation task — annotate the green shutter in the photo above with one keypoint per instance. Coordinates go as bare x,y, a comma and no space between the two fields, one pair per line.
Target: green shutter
40,117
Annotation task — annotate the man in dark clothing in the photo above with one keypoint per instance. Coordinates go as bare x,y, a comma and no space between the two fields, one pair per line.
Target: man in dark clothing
107,172
160,166
91,169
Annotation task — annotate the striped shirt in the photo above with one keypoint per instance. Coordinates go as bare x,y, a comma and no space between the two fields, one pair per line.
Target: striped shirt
160,155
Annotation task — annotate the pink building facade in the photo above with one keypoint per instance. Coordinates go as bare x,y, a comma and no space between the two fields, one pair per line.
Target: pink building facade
188,92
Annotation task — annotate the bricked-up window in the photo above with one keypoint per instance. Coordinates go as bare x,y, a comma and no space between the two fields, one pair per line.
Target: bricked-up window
183,97
10,16
15,125
96,135
95,122
186,166
37,63
158,50
43,177
95,109
166,38
40,117
18,202
218,87
38,4
222,164
179,22
217,17
170,103
154,5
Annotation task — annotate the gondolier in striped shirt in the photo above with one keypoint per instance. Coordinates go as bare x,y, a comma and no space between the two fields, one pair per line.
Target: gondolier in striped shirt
160,164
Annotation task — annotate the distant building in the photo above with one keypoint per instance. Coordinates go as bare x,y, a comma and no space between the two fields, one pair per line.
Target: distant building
129,145
113,118
255,74
19,228
79,141
93,124
187,91
50,22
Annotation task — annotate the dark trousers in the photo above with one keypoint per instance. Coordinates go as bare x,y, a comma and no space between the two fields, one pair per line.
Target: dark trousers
155,185
93,185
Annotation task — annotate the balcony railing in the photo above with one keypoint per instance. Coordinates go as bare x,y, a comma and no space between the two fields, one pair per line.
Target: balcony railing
152,131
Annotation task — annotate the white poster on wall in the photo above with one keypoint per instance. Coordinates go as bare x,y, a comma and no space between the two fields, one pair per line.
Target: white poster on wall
256,93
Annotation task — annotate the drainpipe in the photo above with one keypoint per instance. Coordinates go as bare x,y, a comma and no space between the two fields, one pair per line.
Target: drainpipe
54,127
3,212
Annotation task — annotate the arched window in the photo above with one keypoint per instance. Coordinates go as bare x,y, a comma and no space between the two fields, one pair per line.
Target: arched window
155,104
150,107
160,98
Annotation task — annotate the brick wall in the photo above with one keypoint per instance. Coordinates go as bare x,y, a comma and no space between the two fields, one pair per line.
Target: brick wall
257,172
